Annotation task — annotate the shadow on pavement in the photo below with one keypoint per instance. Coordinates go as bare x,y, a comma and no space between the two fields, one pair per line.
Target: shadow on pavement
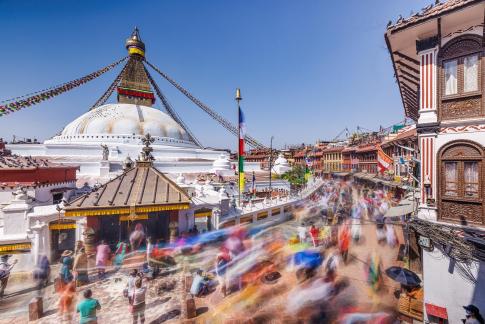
167,316
201,310
159,302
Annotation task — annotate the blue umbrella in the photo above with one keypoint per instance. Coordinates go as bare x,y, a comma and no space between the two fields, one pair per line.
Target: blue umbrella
308,259
403,276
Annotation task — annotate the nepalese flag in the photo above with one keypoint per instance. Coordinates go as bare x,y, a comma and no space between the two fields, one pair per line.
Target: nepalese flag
242,135
384,161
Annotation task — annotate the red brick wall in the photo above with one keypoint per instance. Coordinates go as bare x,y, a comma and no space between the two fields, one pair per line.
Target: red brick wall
40,175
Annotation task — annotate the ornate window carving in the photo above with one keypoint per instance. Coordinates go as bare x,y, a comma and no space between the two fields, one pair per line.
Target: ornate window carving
461,182
459,71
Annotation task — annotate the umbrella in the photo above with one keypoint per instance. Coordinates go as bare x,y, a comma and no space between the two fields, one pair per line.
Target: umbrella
308,259
403,276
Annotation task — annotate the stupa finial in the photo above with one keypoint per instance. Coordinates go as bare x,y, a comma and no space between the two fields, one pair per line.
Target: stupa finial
134,44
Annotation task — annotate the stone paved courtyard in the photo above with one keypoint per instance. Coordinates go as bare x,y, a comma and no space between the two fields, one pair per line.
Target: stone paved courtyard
258,301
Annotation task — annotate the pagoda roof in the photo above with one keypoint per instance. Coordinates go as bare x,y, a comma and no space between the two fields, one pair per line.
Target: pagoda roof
141,189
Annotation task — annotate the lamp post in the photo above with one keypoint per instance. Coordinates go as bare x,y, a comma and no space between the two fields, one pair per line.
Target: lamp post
270,161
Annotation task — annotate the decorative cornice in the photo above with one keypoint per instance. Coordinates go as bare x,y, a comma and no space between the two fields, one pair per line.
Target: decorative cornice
427,43
427,128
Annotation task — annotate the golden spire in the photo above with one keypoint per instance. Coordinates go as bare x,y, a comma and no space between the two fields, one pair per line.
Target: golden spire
134,44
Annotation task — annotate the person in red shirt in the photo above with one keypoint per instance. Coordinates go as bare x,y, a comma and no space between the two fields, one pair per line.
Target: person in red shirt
314,231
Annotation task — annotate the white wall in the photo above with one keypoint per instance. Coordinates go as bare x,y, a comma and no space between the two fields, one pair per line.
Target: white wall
452,290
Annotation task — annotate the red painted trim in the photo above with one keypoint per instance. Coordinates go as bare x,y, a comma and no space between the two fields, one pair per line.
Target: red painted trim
427,156
430,80
422,82
423,158
134,93
426,82
431,163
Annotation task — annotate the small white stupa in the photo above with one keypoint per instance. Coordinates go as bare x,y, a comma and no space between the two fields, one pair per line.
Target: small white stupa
281,165
222,166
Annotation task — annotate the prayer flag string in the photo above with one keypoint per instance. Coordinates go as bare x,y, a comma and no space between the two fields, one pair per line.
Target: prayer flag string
55,91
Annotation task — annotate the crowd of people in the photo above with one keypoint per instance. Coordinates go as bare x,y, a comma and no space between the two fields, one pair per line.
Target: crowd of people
312,254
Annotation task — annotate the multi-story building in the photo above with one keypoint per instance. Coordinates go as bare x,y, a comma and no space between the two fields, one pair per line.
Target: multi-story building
350,161
367,157
438,60
332,156
402,146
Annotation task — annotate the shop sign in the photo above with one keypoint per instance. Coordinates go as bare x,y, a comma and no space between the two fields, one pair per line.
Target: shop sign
425,242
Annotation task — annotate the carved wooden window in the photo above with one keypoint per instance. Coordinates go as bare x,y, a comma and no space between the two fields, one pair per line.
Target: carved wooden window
470,73
461,183
451,77
451,178
461,171
471,179
460,76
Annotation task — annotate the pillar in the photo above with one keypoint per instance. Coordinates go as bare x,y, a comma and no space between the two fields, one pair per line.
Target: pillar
427,125
37,248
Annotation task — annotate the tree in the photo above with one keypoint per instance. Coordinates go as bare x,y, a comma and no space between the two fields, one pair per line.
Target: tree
296,176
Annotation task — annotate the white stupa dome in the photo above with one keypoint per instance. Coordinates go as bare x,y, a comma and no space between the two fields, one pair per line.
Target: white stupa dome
115,122
281,165
222,165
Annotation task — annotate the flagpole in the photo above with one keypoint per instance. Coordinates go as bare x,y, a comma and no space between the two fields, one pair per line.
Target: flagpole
238,99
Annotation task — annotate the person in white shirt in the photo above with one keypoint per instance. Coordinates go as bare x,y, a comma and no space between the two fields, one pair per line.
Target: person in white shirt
301,233
138,301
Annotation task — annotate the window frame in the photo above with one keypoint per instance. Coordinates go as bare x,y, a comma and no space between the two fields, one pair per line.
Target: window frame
461,160
460,77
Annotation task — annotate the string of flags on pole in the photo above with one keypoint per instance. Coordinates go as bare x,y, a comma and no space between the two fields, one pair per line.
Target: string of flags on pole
242,134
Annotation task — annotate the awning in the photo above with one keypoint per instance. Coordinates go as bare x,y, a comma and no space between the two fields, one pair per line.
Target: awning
62,226
341,174
129,218
203,213
436,311
406,206
15,248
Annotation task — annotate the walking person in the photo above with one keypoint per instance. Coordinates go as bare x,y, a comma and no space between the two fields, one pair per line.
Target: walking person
66,268
42,273
122,249
67,302
314,235
80,268
5,269
344,243
391,236
222,262
301,233
103,253
130,285
137,305
87,308
473,315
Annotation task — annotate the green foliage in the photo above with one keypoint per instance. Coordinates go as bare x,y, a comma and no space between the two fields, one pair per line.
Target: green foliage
296,176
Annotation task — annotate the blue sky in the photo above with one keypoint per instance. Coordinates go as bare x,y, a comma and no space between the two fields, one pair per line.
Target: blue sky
306,69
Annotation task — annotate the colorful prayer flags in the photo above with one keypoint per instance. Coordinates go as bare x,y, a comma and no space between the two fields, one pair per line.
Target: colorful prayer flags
242,134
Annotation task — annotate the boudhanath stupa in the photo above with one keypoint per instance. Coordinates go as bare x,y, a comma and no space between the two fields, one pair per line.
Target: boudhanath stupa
100,140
